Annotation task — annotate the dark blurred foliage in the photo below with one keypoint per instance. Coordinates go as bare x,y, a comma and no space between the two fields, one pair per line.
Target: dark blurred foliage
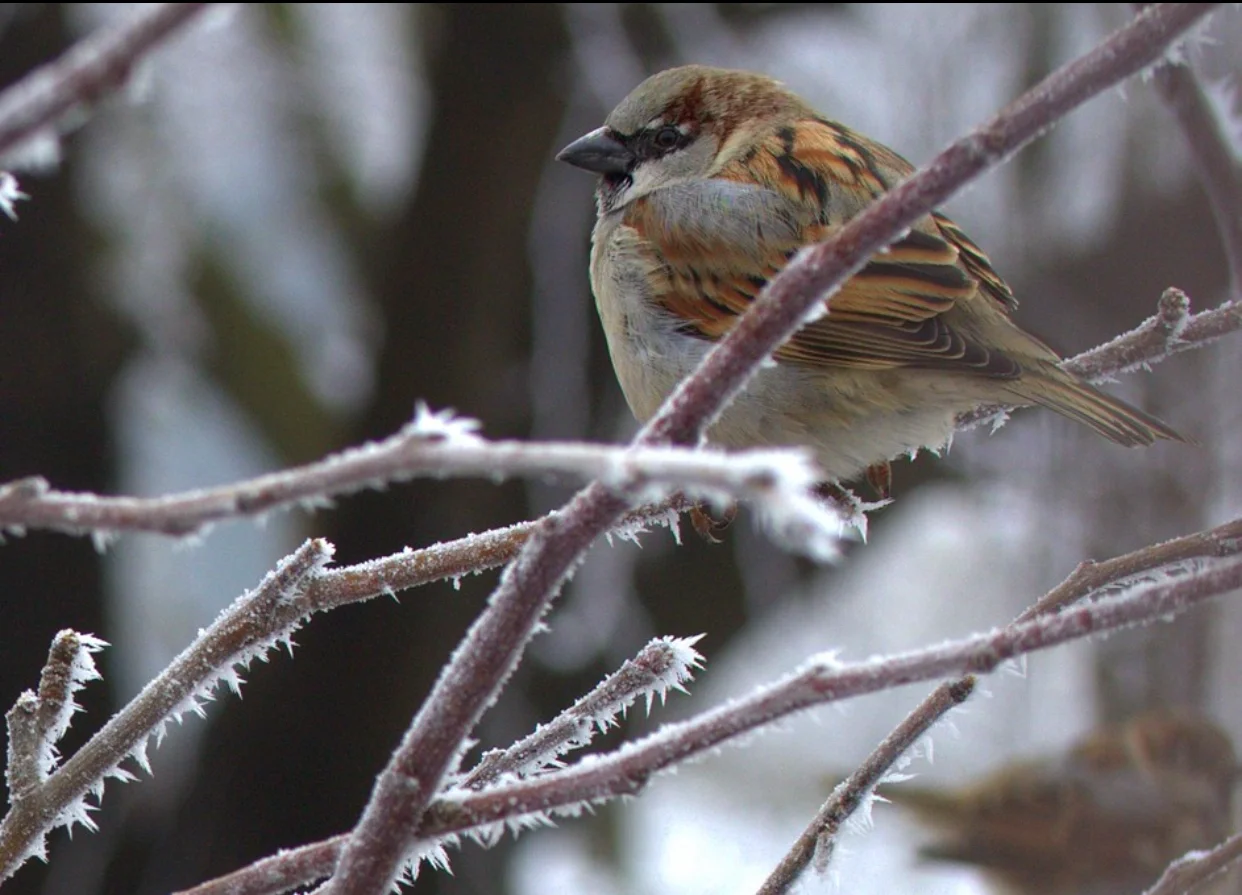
451,281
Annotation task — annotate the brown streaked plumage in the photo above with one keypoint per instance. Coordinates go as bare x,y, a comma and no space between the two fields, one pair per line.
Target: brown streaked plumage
711,180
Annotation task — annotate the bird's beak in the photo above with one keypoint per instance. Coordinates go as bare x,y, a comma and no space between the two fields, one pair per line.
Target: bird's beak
599,151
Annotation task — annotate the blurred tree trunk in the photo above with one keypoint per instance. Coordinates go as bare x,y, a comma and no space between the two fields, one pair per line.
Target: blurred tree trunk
294,761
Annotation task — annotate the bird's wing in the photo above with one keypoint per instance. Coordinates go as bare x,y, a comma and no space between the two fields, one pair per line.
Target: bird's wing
720,241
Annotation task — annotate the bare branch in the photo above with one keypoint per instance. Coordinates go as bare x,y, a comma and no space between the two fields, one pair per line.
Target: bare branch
665,662
22,763
37,722
90,70
482,662
626,771
1170,331
56,686
236,636
286,870
819,838
1188,872
452,559
772,477
1088,578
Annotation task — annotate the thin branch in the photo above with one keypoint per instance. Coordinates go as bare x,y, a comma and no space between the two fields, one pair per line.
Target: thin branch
257,619
1213,158
22,763
451,560
282,872
1190,871
1091,576
818,840
231,638
1088,578
627,770
489,652
772,477
665,662
781,308
467,684
1171,330
56,686
37,722
90,70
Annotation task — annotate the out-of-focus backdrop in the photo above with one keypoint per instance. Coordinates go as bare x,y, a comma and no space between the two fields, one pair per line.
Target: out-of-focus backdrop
301,219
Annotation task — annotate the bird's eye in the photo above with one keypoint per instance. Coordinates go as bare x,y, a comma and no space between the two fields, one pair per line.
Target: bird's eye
667,137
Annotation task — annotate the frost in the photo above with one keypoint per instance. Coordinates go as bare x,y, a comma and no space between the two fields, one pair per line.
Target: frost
443,427
817,311
683,660
81,670
826,662
10,195
861,821
672,519
139,755
1016,666
102,539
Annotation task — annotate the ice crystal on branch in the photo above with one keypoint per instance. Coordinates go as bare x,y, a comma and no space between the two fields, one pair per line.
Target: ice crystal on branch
10,195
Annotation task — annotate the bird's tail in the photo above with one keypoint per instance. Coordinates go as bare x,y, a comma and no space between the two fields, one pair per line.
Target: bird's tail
1084,403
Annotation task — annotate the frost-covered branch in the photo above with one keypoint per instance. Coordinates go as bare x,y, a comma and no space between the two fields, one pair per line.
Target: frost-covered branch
1171,330
243,632
818,841
93,68
1088,578
665,663
37,722
626,770
386,832
1187,873
1215,161
435,444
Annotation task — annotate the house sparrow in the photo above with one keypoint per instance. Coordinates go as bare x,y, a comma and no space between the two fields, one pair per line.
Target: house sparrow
711,180
1106,817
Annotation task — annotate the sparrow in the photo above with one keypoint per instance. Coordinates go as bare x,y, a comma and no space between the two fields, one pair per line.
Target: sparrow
711,180
1107,816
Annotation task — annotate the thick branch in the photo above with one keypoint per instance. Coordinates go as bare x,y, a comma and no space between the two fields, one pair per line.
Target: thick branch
90,70
485,658
627,770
